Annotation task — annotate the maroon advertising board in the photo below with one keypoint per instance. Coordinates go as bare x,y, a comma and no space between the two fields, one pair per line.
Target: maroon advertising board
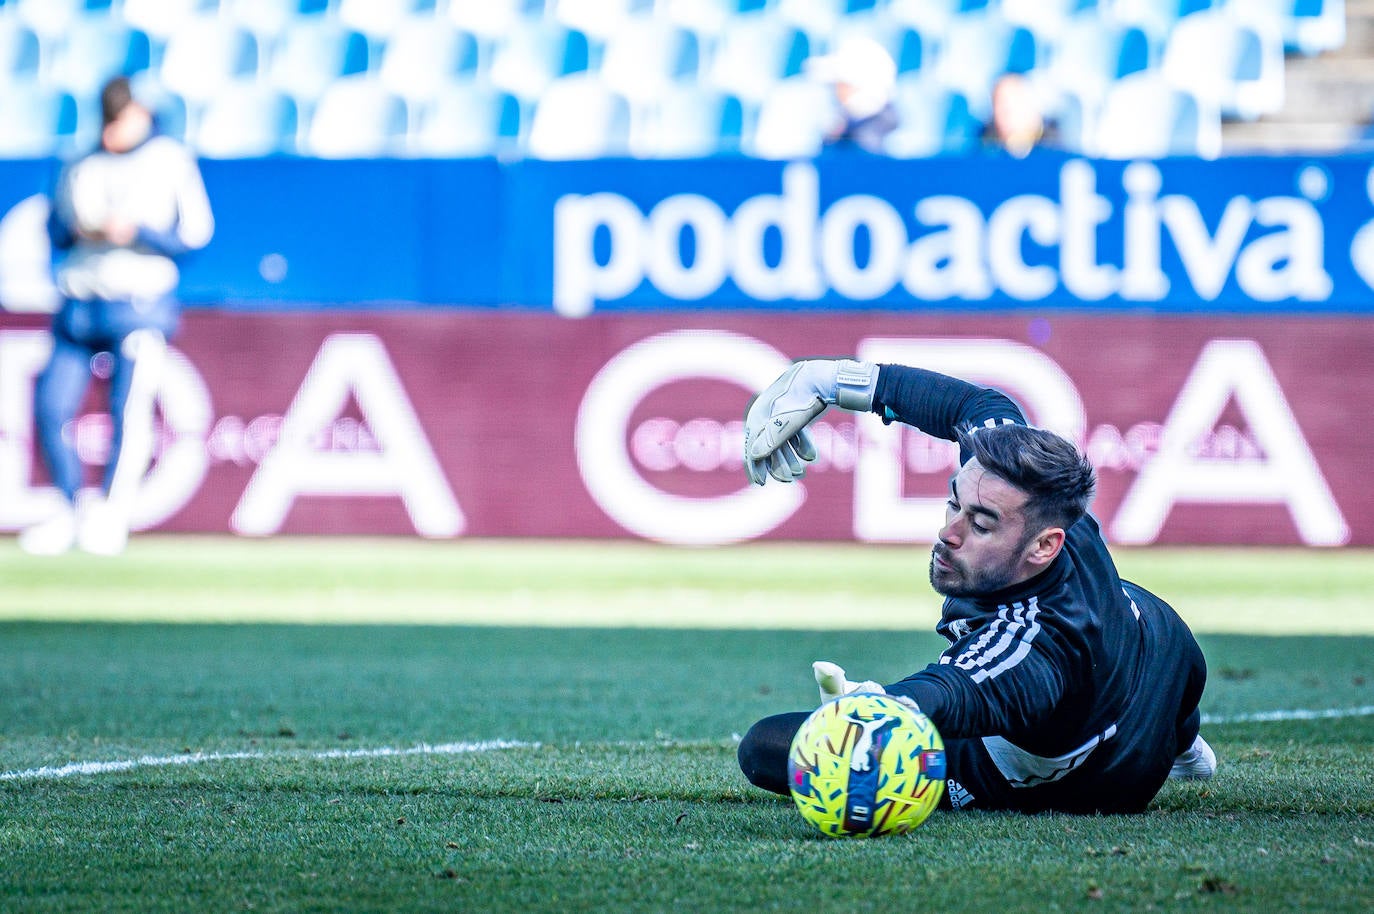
478,424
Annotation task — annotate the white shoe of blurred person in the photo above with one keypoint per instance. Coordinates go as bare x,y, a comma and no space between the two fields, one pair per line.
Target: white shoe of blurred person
1198,763
101,528
52,536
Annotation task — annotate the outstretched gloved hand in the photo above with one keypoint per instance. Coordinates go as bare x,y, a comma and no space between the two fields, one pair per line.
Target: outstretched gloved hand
776,442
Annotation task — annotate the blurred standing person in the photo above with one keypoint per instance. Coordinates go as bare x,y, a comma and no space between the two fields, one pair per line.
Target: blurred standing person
1017,125
864,78
122,214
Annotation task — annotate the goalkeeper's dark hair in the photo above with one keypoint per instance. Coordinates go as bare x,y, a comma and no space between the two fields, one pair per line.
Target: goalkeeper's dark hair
1058,480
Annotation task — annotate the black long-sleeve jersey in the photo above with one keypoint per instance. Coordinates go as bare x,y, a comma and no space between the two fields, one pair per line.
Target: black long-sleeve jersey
1046,670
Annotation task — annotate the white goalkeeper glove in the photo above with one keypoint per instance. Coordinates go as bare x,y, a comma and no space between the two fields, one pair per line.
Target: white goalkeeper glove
831,680
776,442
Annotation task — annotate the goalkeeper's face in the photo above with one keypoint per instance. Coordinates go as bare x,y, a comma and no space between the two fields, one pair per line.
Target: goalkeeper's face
983,545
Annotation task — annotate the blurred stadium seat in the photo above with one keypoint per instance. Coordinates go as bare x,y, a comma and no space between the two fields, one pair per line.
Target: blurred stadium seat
1145,116
1048,19
1092,54
377,19
19,51
39,120
1158,17
820,19
600,19
728,68
754,55
246,120
424,55
685,122
711,17
491,19
91,52
1233,65
648,56
1308,27
203,55
310,55
933,119
978,49
358,117
160,18
269,18
534,54
52,18
467,120
579,117
792,121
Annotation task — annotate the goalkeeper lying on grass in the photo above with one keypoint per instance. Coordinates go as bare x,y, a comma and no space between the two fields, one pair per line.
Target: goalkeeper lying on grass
1064,687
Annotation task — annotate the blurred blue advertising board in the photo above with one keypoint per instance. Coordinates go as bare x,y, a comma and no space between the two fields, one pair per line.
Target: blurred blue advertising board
842,232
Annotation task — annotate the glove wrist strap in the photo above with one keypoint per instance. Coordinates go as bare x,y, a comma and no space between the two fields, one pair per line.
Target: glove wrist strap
855,385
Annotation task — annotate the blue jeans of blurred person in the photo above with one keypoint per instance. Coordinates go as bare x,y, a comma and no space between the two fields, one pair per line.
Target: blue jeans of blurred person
82,329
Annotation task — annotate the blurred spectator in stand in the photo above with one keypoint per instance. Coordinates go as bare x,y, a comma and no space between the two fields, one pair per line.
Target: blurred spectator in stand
1018,123
121,214
864,78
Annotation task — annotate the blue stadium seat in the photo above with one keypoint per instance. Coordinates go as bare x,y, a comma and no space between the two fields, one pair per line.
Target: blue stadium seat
792,121
311,54
686,122
1308,27
1317,26
1049,18
357,118
600,19
424,55
492,19
1092,53
169,109
820,19
535,53
932,119
93,51
1144,116
467,120
269,18
1158,17
978,49
246,120
578,117
204,54
38,120
934,17
1233,65
377,19
711,17
754,55
160,18
52,18
20,53
647,56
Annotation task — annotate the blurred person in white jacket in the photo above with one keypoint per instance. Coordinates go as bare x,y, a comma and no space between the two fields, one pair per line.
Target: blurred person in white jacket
863,77
122,214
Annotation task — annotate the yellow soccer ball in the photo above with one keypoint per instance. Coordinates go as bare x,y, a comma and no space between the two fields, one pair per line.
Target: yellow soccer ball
864,765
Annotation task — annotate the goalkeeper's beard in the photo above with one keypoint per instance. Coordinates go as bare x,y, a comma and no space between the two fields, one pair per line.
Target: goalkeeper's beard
957,580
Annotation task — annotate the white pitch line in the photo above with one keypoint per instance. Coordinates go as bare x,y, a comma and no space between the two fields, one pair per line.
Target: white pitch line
73,769
56,772
1265,717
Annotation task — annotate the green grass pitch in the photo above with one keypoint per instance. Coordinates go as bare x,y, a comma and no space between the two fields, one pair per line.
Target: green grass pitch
551,726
